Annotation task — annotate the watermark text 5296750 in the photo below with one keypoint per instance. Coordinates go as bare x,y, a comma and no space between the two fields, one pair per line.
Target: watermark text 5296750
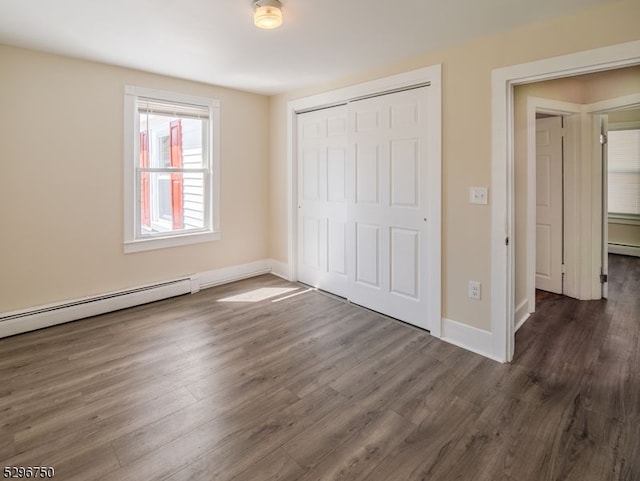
28,472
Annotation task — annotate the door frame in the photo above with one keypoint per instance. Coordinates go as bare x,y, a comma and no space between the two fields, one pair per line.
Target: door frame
431,76
570,200
503,81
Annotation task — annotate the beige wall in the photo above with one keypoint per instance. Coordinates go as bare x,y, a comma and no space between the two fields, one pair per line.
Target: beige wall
61,194
61,156
630,115
466,137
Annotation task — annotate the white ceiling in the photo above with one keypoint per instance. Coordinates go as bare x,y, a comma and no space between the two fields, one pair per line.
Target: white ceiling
214,41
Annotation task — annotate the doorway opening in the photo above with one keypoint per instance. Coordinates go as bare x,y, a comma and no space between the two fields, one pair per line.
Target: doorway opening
505,276
566,224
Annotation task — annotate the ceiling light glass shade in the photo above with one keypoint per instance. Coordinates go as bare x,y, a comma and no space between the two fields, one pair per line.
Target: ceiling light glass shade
267,14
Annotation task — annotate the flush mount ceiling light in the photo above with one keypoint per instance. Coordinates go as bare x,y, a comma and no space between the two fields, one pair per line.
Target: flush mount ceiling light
267,13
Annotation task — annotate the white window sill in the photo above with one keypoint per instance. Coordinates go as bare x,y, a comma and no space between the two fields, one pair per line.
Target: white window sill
166,242
627,219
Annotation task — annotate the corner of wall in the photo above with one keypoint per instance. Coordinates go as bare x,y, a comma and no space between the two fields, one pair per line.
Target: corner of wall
469,338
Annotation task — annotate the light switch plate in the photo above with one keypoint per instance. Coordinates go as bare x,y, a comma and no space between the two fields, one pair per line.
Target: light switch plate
478,195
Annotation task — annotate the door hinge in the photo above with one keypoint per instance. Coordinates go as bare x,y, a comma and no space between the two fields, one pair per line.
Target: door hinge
506,241
563,268
604,278
603,139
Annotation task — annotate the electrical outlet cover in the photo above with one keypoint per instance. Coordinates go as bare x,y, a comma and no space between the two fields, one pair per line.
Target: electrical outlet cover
474,290
478,195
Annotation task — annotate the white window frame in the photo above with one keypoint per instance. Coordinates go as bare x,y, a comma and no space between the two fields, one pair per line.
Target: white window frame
133,242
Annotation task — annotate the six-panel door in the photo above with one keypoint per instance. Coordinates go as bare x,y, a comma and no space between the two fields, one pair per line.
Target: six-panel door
362,180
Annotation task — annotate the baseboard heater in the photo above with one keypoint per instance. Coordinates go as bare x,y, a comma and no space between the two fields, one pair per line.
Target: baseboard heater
50,315
624,249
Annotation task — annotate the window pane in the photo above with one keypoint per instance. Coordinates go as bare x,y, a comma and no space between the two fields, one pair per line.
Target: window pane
624,171
175,202
173,141
179,109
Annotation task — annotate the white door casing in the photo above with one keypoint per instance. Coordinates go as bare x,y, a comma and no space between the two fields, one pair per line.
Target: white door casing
503,81
322,216
549,202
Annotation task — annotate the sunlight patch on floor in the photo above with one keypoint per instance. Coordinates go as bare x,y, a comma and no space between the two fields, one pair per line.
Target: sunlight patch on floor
293,295
260,294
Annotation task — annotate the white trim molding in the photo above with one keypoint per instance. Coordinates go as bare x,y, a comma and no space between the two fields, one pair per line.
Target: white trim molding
229,274
280,269
502,173
133,241
523,313
469,338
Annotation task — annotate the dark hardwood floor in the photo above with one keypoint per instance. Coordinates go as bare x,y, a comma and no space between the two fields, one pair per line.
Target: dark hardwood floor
307,387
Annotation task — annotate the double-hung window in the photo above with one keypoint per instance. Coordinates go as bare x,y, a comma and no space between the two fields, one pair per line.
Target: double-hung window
171,169
624,175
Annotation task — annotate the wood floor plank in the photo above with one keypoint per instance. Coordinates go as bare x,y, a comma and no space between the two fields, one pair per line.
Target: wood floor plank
343,427
235,457
624,455
78,437
91,416
185,451
613,383
7,447
232,408
356,459
363,373
87,465
428,446
277,466
266,373
369,343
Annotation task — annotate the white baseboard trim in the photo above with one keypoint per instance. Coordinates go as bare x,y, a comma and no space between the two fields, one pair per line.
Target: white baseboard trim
468,337
624,250
26,320
232,273
280,269
38,317
522,314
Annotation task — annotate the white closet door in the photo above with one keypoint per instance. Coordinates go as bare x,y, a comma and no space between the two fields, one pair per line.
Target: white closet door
322,208
387,242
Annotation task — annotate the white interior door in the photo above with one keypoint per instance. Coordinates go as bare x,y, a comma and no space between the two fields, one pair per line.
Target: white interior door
322,207
387,241
549,199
